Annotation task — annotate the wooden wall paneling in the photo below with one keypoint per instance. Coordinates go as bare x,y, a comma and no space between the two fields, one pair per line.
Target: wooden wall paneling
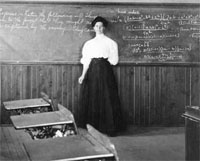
54,82
42,79
134,95
142,96
168,90
16,81
131,94
180,94
157,95
20,82
144,108
23,81
65,85
187,86
59,83
152,95
147,95
7,82
27,81
67,88
125,92
33,81
117,77
173,94
125,86
167,87
49,81
69,95
137,94
78,88
36,80
39,80
75,89
121,88
6,90
120,82
195,86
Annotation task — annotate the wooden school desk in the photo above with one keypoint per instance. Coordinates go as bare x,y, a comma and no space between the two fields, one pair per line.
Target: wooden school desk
27,105
40,120
84,146
192,133
44,125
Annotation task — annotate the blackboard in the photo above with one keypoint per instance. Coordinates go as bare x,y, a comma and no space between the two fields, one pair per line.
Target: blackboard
57,31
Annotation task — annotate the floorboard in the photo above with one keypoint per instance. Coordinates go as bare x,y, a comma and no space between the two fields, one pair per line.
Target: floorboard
144,144
12,145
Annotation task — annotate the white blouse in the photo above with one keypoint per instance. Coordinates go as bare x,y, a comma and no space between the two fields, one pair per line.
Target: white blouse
100,47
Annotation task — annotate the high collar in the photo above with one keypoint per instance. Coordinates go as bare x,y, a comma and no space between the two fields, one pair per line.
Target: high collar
99,36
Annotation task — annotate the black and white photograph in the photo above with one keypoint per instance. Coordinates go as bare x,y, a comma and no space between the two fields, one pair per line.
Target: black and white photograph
99,80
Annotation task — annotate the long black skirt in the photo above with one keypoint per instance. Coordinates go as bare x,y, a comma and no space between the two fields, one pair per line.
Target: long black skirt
100,104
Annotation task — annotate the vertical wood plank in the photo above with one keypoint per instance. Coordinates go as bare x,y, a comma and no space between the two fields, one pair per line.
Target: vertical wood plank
147,98
16,82
59,83
126,93
195,86
131,95
157,95
151,97
42,79
67,87
187,86
138,95
6,90
142,96
27,82
181,92
34,81
75,87
79,71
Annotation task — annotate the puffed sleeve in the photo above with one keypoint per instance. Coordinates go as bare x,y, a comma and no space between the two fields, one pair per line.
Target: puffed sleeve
86,58
113,55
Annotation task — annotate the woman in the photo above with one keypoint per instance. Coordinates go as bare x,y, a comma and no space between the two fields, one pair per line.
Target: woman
100,104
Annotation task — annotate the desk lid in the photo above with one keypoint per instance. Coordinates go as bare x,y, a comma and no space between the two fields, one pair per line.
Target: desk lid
26,103
68,148
192,112
40,119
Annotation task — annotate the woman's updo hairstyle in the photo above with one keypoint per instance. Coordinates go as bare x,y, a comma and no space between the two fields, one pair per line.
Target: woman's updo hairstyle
100,19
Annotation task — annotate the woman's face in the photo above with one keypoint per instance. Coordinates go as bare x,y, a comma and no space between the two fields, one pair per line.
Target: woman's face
98,28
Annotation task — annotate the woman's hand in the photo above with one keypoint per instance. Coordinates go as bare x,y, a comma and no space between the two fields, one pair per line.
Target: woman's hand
80,80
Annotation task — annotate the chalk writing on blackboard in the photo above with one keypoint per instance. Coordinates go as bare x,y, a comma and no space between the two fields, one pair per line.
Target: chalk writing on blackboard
143,34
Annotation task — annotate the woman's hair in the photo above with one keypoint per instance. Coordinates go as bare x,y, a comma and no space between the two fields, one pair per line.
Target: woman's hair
100,19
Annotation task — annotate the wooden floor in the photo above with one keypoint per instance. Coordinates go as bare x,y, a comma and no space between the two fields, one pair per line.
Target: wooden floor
11,142
137,144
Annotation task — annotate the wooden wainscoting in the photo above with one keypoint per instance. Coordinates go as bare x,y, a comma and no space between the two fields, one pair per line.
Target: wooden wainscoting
151,94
